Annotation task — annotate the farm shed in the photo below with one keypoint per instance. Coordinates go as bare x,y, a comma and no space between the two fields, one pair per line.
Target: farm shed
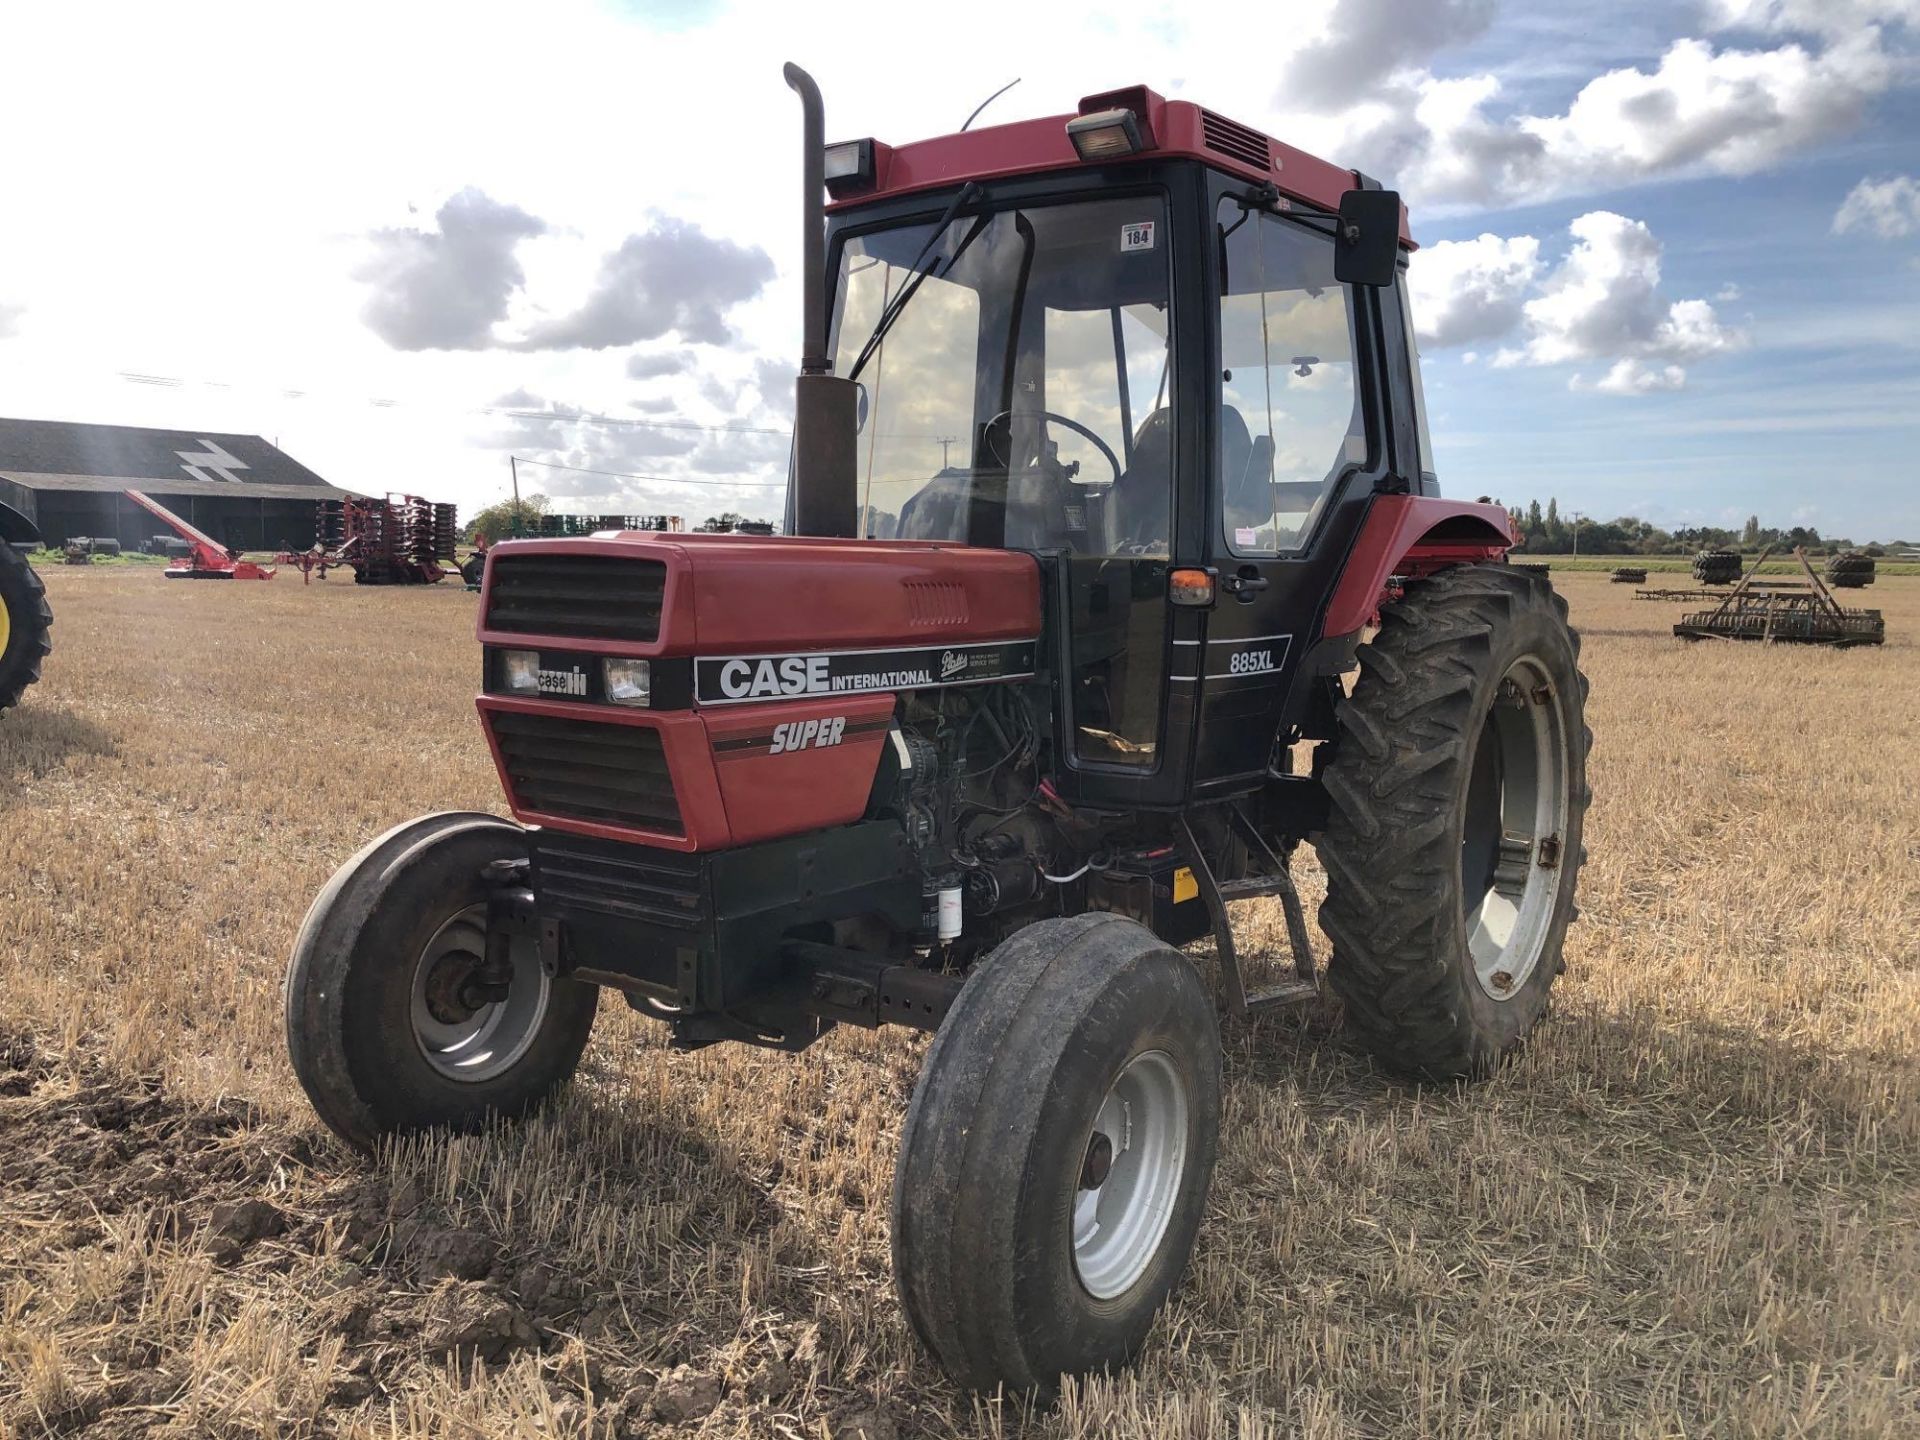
72,478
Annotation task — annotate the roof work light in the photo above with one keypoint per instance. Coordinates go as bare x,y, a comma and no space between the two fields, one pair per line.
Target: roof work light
1105,134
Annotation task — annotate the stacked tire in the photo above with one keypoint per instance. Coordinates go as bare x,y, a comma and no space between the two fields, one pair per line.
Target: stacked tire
1625,575
1717,567
1850,570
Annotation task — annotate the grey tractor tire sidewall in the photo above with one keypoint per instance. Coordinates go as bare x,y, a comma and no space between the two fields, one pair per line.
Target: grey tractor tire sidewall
992,1147
348,991
25,596
1400,962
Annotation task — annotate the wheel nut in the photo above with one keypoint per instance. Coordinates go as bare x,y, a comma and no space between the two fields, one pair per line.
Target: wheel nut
1098,1164
1502,980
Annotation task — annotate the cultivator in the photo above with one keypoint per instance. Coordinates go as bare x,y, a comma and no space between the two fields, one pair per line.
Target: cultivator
1785,612
399,540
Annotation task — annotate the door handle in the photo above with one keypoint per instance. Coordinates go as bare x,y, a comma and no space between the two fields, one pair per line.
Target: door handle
1244,585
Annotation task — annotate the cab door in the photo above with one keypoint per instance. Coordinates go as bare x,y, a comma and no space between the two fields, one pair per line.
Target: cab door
1291,457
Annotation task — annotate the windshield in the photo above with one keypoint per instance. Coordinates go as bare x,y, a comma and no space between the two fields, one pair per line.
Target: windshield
1020,395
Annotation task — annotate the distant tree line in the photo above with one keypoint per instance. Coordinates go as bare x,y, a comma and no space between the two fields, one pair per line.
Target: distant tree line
1548,532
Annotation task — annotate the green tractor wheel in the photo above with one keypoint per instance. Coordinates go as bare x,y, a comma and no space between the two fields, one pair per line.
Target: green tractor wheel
24,619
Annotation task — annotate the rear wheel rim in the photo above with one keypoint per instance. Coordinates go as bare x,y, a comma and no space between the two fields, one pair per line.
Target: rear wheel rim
474,1044
1135,1157
1515,824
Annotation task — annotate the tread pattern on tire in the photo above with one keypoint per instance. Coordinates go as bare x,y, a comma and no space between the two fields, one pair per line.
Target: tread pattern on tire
316,994
1718,567
1392,862
24,594
961,1311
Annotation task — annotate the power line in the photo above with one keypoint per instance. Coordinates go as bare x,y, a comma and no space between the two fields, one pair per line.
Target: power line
661,479
560,417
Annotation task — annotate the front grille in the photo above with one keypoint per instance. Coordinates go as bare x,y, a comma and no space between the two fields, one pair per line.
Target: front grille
585,770
575,875
598,597
1231,138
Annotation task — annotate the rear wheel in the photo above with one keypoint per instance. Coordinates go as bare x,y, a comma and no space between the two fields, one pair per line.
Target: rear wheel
393,1022
24,621
1454,844
1054,1165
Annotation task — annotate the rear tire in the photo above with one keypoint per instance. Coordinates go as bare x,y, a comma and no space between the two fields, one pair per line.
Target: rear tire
1458,792
379,1035
1054,1165
24,620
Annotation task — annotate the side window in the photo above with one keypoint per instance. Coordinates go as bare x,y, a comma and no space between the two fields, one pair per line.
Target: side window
1413,364
1290,414
919,383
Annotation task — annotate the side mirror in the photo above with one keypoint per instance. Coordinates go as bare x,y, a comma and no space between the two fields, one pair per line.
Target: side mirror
1367,248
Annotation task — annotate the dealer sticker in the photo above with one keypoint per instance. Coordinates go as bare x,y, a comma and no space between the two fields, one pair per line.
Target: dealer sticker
1137,237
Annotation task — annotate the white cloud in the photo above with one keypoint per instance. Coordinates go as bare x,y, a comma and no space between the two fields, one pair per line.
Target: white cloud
1601,302
10,319
1637,377
1698,110
1889,208
1811,17
1364,41
1466,290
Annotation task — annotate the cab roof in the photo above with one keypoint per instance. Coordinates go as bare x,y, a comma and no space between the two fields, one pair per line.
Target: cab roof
1168,128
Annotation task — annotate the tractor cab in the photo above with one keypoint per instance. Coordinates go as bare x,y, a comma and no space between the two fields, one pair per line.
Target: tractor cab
1160,373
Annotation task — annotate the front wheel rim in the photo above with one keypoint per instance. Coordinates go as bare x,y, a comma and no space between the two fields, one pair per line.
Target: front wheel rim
472,1044
1132,1165
1513,842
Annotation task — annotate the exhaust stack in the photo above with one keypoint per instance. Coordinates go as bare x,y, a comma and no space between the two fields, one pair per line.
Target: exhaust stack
822,494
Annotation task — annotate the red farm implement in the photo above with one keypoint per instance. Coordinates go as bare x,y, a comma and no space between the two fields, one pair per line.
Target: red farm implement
399,540
206,557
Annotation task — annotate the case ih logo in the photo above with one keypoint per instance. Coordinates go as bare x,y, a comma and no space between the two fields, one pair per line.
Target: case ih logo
564,682
732,679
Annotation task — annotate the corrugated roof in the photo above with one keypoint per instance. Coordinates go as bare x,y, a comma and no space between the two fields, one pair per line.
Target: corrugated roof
318,490
121,457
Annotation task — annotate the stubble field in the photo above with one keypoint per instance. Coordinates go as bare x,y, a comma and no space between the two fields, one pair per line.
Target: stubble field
1692,1208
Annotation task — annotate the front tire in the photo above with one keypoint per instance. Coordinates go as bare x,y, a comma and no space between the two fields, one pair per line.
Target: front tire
24,621
1054,1165
383,1029
1459,791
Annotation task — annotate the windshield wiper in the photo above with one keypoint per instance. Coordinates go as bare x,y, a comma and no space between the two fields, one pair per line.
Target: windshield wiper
907,291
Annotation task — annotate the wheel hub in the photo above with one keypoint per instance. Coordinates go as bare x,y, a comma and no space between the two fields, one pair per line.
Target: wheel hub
1517,807
447,985
1130,1175
470,1024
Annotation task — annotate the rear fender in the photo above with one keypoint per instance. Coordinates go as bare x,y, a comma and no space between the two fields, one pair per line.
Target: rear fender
15,528
1410,536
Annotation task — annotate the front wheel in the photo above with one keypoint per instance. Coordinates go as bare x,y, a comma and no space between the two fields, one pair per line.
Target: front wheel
394,1022
1459,791
1054,1164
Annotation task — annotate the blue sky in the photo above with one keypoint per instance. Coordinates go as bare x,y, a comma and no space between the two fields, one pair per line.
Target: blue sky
1814,418
455,232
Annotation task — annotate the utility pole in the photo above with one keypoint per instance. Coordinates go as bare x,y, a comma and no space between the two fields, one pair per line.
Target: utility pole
945,441
513,463
1577,518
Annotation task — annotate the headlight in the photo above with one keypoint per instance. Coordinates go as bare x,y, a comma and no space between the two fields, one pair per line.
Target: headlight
520,669
629,682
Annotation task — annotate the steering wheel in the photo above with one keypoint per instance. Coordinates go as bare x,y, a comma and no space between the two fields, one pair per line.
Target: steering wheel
1105,449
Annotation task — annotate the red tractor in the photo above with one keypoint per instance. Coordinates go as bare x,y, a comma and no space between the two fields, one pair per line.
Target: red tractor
1109,457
